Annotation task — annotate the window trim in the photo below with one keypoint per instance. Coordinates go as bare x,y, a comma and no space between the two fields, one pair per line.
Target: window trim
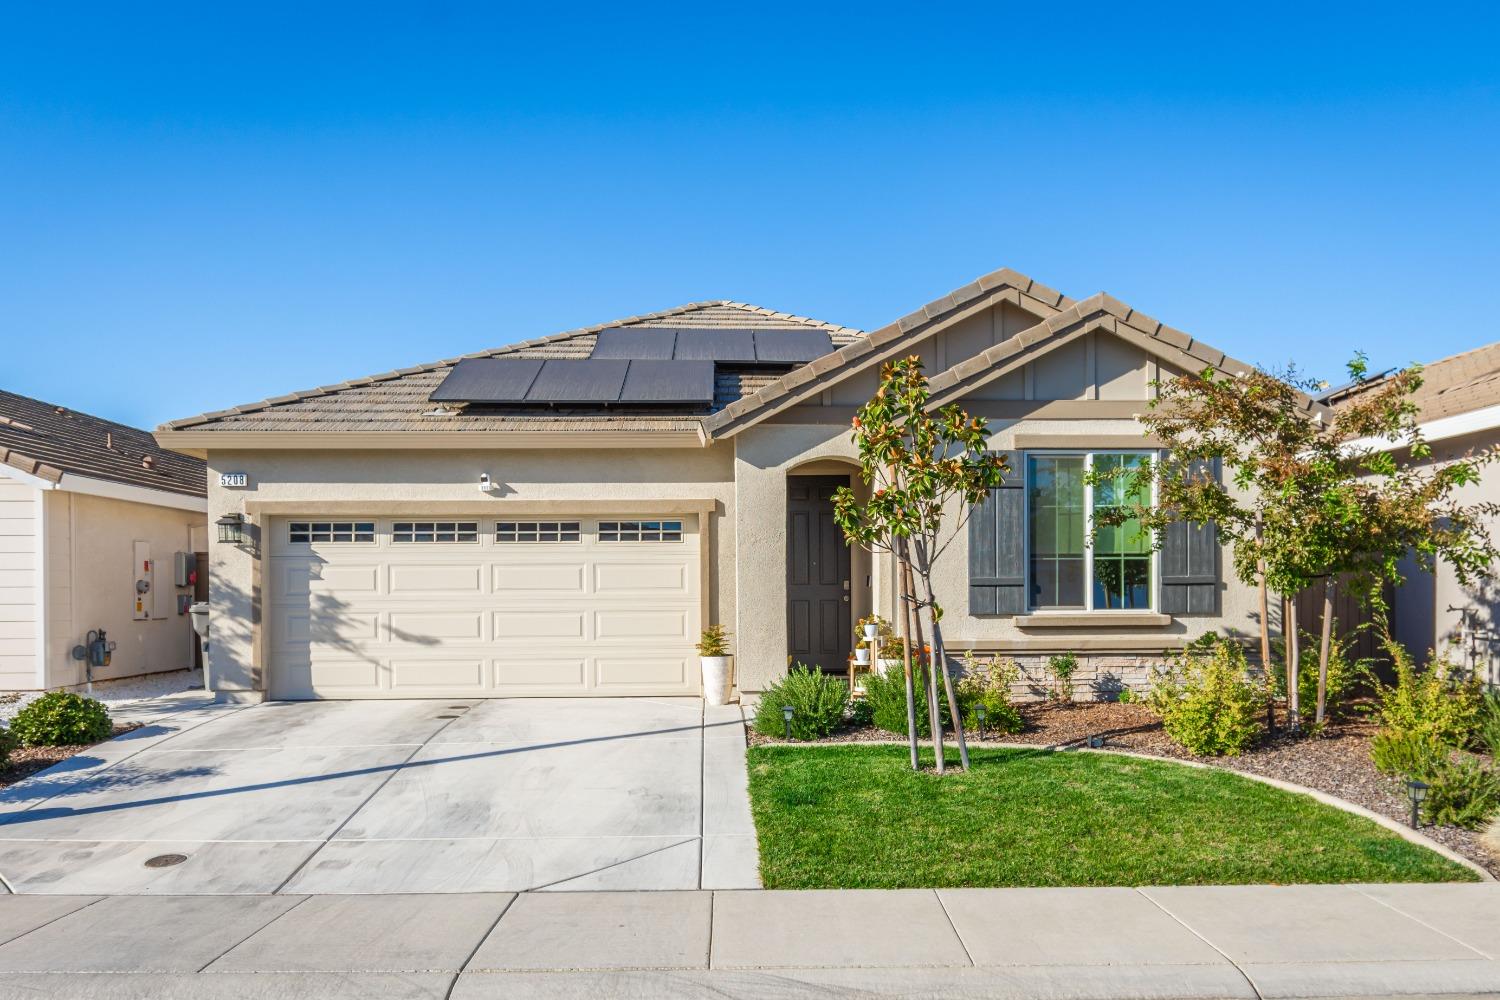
1153,590
356,529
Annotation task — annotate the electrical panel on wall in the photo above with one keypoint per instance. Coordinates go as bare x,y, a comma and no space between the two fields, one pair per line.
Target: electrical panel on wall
143,577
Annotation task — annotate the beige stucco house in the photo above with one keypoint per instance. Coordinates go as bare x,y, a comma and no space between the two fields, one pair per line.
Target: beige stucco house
1459,412
96,523
561,516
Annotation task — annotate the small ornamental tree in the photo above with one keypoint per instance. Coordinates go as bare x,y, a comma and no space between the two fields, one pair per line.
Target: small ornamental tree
1305,501
916,463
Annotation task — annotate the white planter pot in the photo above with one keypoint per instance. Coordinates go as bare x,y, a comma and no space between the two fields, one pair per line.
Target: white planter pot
716,679
862,656
871,631
886,666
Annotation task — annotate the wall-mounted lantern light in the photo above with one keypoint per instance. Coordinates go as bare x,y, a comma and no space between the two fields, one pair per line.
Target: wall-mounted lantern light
231,529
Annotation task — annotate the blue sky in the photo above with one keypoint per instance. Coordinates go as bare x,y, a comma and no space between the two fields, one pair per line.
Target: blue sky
203,205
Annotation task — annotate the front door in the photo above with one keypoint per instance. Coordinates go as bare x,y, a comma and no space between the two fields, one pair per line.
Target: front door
817,575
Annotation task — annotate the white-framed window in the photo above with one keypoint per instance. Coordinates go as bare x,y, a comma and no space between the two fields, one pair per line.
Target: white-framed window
435,531
538,531
305,532
640,531
1067,568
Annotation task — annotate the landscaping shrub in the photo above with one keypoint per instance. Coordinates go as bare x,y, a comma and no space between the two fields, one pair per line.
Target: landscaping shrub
1061,669
1487,731
8,744
1126,695
1423,717
886,695
61,718
989,684
1207,701
818,701
1462,792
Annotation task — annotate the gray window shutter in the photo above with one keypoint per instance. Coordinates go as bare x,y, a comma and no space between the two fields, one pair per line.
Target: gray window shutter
1190,563
997,549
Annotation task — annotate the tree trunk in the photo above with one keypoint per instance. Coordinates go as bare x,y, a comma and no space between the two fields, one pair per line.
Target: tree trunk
1324,648
1289,632
940,658
934,714
1265,634
905,611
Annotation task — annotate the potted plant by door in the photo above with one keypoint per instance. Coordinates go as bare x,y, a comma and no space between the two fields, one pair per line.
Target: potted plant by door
713,653
892,655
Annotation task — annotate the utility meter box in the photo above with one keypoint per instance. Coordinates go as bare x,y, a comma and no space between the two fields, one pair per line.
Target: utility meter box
184,569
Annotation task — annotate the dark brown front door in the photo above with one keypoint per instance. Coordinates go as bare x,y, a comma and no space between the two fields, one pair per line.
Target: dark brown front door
817,575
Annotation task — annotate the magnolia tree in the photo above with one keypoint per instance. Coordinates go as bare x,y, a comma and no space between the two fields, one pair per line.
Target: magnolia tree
1303,501
917,463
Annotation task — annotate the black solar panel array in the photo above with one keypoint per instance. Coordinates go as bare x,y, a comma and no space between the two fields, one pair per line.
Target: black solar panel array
743,347
582,382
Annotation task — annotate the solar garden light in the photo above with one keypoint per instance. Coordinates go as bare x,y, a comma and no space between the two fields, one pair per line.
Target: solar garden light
981,714
1418,791
1096,742
786,717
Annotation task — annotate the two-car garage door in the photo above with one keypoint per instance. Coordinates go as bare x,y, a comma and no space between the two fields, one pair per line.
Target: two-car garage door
411,607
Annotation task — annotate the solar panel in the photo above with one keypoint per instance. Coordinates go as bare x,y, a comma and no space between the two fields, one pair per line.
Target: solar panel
669,382
791,346
715,345
488,380
591,380
634,342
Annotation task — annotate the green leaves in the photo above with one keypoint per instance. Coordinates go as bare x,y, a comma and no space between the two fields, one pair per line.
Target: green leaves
915,461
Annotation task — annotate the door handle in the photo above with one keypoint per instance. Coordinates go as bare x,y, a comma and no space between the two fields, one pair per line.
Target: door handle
846,598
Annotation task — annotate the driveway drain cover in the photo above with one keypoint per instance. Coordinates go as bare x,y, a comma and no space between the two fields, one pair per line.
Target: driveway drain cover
165,860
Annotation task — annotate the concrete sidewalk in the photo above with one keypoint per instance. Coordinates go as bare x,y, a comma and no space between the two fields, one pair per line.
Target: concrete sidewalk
1200,942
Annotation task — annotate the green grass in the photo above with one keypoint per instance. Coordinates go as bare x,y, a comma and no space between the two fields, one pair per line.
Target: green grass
858,817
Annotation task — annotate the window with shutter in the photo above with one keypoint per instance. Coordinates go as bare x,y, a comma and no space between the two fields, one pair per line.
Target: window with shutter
997,552
1190,562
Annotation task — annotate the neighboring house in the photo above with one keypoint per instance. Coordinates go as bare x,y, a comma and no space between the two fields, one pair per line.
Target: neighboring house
92,516
1459,412
659,473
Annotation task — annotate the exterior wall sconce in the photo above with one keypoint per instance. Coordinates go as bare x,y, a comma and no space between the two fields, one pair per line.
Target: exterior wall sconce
231,529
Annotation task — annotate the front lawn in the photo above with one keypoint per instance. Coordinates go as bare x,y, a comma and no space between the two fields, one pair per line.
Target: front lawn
857,817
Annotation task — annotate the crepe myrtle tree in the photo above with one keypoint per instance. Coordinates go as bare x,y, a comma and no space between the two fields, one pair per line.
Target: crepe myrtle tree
1305,501
916,462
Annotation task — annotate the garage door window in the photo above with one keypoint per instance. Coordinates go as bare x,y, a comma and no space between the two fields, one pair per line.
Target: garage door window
538,531
305,532
640,531
435,531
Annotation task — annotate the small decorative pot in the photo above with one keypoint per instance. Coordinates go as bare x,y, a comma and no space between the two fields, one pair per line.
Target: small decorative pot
862,656
871,631
716,679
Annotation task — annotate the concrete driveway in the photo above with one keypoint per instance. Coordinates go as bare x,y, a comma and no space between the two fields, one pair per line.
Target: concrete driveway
394,797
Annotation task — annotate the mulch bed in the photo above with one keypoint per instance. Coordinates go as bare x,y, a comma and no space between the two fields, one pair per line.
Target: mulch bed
1336,761
27,761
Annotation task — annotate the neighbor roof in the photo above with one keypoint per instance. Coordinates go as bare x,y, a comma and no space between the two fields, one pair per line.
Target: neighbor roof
1459,384
49,441
399,400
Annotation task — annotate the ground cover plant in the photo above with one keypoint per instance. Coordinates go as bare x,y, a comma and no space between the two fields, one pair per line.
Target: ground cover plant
858,817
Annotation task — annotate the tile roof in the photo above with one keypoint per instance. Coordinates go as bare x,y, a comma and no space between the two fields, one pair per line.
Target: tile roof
1459,384
398,400
49,441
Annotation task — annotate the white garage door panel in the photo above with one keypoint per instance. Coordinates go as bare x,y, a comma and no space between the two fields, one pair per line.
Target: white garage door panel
388,619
